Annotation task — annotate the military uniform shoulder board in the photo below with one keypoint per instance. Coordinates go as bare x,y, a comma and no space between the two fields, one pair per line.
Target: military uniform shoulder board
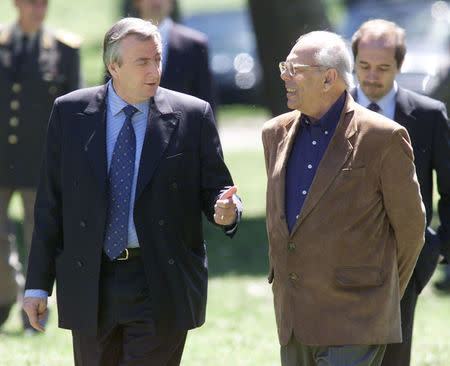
68,38
5,33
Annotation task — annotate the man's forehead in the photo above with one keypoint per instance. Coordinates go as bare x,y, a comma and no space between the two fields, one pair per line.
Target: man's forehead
302,51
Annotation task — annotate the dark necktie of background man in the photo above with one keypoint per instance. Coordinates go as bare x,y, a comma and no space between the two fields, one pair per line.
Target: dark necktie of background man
20,57
374,107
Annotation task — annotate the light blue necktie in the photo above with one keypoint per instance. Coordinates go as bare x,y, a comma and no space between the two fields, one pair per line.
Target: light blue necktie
120,182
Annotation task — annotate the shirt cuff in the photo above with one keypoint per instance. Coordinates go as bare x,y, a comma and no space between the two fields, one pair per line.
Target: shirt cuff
36,293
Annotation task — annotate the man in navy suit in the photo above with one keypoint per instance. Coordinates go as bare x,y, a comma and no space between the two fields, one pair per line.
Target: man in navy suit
128,169
379,48
185,64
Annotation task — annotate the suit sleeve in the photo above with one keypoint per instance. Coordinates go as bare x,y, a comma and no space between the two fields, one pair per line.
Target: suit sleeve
441,164
47,234
403,203
215,177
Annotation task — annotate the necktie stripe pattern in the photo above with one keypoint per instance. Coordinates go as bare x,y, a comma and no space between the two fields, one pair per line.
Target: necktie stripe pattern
119,191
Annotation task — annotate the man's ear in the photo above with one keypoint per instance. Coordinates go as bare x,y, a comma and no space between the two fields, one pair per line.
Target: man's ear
112,68
330,77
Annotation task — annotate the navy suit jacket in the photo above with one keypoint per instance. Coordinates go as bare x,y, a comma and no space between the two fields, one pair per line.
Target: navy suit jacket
181,174
427,124
187,68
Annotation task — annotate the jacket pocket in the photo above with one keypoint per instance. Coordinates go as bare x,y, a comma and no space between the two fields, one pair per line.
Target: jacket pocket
358,277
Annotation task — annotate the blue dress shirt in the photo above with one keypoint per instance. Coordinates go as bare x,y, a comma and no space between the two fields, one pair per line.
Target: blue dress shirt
307,151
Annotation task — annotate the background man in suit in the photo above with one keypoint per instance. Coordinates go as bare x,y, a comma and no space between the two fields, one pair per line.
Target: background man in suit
345,219
185,63
36,65
128,169
379,48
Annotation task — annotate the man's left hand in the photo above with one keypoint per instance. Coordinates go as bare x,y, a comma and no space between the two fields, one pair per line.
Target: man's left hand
225,208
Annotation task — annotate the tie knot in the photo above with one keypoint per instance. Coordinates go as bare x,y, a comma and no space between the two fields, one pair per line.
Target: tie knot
129,110
374,107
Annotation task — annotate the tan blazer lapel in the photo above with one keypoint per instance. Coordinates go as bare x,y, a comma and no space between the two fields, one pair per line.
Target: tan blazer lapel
337,153
283,153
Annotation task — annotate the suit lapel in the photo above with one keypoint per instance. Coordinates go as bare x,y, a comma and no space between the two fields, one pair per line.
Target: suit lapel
284,148
160,126
337,153
403,108
94,118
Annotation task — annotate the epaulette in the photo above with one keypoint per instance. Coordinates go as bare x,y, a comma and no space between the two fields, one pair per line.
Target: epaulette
5,33
68,38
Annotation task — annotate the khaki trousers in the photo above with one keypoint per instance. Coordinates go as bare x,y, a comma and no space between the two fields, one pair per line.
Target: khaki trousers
11,271
298,354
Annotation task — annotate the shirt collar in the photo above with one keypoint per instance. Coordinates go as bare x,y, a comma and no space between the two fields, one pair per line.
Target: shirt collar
330,119
164,27
116,103
18,33
384,103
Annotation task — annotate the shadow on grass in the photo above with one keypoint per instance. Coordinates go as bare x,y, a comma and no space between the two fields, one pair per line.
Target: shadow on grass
245,254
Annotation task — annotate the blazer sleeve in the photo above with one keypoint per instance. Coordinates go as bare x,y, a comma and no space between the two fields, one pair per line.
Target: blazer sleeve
441,164
47,234
403,203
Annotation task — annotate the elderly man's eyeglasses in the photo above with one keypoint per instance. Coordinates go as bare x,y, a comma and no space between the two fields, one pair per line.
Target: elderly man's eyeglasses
291,68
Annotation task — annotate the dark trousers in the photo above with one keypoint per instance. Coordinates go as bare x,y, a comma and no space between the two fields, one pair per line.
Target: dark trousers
399,354
126,335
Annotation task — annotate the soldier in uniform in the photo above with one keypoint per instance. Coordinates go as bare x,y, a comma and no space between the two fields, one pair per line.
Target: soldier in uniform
36,66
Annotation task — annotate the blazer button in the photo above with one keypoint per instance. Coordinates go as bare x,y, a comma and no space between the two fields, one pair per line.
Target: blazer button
83,223
174,186
171,261
161,222
80,264
291,245
293,276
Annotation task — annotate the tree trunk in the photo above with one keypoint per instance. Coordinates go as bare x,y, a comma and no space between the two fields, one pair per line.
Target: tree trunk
277,25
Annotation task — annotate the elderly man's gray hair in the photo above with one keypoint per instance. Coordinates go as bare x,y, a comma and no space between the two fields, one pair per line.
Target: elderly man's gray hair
332,52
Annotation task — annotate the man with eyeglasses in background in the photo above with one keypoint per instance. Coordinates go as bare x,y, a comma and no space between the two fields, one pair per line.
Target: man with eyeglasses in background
37,64
379,48
345,218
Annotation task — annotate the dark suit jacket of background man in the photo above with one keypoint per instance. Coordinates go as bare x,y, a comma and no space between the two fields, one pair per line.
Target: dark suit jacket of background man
51,69
187,67
181,174
426,121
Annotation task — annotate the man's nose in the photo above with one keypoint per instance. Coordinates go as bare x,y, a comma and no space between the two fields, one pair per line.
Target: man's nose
372,74
285,75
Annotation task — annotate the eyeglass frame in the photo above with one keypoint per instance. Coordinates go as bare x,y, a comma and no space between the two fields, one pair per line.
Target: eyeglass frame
283,66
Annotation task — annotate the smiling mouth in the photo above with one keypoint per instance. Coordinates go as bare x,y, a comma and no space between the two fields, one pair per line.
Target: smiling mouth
290,90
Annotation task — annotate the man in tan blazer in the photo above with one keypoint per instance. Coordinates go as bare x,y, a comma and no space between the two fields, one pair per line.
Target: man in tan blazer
345,218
